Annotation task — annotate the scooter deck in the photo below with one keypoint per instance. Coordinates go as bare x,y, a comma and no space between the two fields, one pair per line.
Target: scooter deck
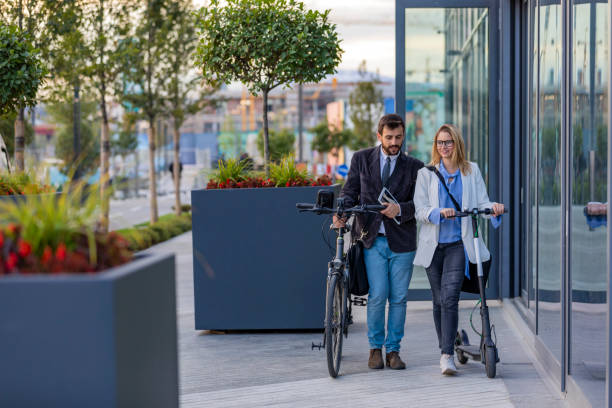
472,351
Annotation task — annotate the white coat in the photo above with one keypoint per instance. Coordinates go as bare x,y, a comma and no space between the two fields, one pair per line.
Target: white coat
426,199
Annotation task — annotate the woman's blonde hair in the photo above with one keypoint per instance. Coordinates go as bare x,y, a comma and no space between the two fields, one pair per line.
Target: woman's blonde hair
458,152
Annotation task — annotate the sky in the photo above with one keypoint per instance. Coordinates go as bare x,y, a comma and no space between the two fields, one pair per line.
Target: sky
367,30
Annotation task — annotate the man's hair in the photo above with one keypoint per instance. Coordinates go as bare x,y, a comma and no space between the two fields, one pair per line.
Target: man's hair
392,121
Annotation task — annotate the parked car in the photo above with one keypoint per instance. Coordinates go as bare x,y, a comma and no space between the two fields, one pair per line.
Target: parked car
5,162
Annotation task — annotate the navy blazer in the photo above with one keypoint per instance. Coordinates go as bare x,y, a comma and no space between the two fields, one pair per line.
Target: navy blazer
363,186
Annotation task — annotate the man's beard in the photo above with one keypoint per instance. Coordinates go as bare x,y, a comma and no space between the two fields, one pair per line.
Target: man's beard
388,151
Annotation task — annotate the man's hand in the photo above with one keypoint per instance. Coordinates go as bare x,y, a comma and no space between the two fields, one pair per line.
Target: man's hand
447,212
391,211
339,222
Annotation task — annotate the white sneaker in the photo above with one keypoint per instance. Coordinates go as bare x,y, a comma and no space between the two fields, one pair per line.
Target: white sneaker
447,364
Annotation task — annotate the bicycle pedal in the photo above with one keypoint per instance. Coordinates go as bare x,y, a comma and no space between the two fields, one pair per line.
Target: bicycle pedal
360,301
319,346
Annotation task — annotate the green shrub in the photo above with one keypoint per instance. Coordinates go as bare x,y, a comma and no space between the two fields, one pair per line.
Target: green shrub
143,236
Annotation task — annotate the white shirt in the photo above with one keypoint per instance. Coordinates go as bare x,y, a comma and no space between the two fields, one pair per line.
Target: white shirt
383,161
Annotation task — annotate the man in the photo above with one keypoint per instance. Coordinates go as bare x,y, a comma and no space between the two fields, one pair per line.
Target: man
390,247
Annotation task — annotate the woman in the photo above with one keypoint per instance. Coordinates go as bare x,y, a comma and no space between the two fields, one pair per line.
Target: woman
446,242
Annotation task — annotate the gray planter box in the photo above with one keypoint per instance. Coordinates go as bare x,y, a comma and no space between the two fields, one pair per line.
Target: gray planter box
258,263
103,340
20,197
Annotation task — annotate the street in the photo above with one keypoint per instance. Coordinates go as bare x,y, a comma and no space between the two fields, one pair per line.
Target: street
132,211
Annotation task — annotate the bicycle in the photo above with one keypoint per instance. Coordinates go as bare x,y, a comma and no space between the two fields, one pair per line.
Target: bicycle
338,300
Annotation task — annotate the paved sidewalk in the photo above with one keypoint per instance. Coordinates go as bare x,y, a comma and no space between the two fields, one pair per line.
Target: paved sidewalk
281,370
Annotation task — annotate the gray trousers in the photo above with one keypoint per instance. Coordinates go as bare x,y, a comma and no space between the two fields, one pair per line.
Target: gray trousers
445,275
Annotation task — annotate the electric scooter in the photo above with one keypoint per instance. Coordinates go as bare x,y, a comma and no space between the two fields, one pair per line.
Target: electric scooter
486,352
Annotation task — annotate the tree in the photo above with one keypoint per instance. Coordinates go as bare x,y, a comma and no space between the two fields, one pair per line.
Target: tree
143,66
282,143
265,44
21,75
108,23
30,17
62,113
66,53
329,140
366,105
21,71
186,95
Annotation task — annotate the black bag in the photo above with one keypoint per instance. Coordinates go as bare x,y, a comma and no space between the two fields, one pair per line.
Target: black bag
357,270
469,285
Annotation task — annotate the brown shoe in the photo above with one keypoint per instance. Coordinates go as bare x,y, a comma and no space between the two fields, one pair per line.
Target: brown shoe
394,361
376,360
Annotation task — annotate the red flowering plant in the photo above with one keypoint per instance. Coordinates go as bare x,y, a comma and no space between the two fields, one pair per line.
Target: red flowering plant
22,183
282,174
57,234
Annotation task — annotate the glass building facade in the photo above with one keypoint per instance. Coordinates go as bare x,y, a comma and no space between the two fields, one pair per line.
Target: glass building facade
527,82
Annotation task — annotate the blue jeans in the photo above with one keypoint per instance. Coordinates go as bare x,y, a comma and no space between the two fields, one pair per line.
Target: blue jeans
389,276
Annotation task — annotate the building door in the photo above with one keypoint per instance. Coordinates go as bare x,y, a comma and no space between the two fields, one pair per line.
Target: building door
446,72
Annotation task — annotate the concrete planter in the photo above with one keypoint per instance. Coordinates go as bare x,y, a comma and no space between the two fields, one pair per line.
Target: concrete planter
103,340
19,197
258,263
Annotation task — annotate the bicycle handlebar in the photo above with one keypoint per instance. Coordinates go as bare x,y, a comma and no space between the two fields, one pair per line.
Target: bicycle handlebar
358,209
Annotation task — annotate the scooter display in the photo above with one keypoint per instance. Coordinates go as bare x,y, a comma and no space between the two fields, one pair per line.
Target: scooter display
486,352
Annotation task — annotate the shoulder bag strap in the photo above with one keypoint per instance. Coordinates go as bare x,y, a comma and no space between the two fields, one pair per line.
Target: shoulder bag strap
435,170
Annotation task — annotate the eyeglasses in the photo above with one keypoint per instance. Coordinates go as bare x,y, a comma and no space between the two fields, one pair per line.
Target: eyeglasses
447,143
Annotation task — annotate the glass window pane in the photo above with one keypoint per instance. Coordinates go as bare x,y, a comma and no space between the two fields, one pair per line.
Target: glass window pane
533,150
588,175
549,178
447,81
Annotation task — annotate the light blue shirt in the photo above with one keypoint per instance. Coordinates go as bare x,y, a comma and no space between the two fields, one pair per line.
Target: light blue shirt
383,161
450,228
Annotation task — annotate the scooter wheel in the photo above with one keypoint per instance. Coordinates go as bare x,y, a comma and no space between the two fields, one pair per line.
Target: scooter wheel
490,361
461,357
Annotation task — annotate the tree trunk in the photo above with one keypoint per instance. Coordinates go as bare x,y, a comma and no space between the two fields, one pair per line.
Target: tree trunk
104,172
19,140
76,131
266,139
177,170
152,186
300,123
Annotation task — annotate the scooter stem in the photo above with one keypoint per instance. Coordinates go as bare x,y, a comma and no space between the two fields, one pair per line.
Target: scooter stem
484,310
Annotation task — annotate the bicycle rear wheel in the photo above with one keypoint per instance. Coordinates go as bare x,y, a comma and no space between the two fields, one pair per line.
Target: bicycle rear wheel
334,324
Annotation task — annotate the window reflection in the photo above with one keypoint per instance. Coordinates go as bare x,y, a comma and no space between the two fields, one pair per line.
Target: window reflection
447,81
589,180
549,177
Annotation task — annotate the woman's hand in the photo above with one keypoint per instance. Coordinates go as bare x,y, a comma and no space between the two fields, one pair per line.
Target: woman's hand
447,212
498,209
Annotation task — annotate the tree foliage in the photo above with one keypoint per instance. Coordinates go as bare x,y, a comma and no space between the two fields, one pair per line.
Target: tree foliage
185,88
325,139
282,143
62,114
21,70
126,140
366,106
265,44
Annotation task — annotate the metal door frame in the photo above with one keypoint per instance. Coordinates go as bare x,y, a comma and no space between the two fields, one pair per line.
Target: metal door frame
500,188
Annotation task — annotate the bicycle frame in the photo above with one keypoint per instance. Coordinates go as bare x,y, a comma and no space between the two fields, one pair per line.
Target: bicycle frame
337,266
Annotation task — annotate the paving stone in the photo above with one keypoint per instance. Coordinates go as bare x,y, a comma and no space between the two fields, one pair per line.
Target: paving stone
255,369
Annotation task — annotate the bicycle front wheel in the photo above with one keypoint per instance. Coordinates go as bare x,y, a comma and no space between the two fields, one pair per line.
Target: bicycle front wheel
334,324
